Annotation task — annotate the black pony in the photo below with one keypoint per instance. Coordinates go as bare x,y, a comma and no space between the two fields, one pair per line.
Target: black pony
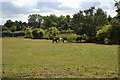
55,40
78,39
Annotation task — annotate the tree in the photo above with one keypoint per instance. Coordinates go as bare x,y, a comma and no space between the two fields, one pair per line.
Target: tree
18,25
38,33
4,28
50,21
105,35
67,22
61,23
100,17
109,19
89,21
53,31
77,22
28,33
35,20
13,28
8,24
117,4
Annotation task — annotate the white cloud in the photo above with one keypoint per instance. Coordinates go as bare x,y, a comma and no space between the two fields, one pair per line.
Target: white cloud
30,7
49,11
13,17
24,3
78,3
70,3
36,10
108,6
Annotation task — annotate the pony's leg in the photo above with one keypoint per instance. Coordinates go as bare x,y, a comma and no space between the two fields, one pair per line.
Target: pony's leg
63,41
56,41
52,41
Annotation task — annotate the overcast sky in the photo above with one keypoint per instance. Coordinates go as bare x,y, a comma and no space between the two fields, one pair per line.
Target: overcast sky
21,9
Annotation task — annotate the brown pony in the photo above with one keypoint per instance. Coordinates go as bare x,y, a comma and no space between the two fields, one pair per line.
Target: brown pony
55,40
78,39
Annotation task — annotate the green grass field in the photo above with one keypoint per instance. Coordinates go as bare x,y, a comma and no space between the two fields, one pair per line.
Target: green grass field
35,58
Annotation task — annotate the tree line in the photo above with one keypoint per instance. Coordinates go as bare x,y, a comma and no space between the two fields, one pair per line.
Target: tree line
92,22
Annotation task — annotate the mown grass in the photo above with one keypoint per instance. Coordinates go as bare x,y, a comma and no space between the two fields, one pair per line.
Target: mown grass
34,58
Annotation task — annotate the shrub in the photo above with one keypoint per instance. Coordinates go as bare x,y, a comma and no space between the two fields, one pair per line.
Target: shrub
107,41
18,33
103,35
38,33
46,36
28,33
6,34
67,31
86,38
53,31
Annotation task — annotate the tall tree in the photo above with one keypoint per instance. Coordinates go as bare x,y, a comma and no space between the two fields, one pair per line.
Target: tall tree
50,21
35,20
8,23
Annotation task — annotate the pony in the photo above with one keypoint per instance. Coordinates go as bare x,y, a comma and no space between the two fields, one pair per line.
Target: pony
57,40
78,39
61,40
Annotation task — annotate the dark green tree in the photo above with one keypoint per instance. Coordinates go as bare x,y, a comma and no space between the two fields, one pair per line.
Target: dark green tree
35,20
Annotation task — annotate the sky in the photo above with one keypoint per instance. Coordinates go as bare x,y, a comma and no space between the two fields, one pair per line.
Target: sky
21,9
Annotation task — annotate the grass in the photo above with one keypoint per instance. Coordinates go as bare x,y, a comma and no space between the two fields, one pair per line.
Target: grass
34,58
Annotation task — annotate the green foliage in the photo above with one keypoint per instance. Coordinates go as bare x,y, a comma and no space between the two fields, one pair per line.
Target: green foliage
13,28
28,33
103,35
35,20
6,34
4,28
8,24
87,21
18,33
53,31
67,31
117,4
86,38
38,33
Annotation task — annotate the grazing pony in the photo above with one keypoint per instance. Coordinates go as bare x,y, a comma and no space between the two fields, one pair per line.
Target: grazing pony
61,40
55,40
78,39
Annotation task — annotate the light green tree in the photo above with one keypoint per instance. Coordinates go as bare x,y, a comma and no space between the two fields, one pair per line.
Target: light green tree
53,31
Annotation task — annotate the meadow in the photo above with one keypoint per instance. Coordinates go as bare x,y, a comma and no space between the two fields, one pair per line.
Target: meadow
35,58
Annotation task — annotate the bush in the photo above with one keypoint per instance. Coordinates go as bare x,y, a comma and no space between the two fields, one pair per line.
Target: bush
38,33
18,33
67,31
28,33
6,34
46,36
87,38
104,34
107,41
53,31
